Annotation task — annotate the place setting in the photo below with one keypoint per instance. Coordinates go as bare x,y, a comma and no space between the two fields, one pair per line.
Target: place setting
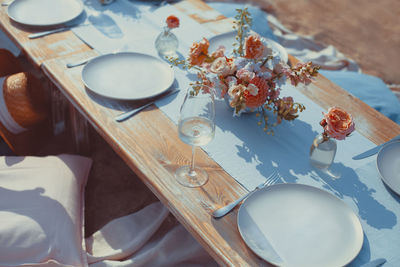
285,177
45,17
306,216
289,218
44,13
127,79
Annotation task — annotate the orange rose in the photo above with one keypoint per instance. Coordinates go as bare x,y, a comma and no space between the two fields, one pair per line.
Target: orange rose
254,101
172,22
337,123
254,47
198,52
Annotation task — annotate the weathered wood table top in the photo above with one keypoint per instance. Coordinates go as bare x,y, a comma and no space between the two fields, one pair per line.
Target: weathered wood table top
149,143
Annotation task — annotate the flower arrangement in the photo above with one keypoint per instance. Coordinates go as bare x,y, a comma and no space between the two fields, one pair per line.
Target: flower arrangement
337,124
250,78
166,42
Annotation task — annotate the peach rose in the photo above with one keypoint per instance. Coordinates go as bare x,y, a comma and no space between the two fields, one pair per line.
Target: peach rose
222,67
172,22
254,47
198,52
337,123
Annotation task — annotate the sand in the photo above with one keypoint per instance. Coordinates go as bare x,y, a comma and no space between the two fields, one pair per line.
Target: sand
366,31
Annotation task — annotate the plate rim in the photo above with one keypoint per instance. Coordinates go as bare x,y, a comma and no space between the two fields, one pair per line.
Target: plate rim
266,38
13,3
93,60
304,186
383,150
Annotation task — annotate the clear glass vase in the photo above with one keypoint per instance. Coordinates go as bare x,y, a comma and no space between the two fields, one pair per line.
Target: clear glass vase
322,151
166,43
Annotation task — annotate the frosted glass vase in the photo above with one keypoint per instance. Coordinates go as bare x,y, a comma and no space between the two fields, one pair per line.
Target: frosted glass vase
166,43
322,151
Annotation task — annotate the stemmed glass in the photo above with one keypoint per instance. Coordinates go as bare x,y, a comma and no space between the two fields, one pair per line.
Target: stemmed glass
196,127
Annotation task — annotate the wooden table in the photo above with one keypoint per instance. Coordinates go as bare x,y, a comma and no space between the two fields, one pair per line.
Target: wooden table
149,142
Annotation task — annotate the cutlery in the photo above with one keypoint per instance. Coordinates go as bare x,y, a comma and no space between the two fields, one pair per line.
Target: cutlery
374,263
374,150
41,34
128,114
78,63
7,3
226,209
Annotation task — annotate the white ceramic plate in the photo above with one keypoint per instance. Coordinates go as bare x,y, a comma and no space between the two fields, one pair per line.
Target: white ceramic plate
227,40
306,226
44,13
388,164
127,76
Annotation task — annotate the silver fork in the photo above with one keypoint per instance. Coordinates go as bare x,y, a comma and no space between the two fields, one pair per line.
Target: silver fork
226,209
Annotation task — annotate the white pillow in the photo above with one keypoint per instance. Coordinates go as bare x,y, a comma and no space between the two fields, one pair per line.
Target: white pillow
41,210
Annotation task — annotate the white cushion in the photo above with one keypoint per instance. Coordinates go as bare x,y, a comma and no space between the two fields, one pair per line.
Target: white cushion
41,210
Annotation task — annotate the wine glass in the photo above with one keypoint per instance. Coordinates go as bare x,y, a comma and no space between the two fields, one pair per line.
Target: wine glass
196,127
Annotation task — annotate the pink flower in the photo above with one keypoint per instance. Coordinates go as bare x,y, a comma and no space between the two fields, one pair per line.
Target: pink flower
198,52
245,75
222,67
227,83
172,22
220,52
302,72
254,47
337,123
236,89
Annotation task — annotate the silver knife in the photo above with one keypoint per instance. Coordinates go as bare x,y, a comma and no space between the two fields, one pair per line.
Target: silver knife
62,29
128,114
374,150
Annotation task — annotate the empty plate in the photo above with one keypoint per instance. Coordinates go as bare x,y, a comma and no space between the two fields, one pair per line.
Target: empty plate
44,13
300,225
228,39
127,76
388,164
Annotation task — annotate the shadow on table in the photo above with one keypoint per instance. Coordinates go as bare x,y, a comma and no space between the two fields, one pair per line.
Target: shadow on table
133,12
349,184
288,151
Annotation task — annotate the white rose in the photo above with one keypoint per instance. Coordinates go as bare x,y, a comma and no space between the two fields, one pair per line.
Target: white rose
235,90
252,89
221,67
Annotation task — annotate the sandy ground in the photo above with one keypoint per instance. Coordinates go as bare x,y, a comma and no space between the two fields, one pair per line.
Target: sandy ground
364,30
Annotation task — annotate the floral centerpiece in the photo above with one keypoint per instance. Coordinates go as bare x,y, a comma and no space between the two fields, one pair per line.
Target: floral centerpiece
250,77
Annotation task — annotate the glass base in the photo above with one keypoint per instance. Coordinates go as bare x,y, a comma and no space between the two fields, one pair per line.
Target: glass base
198,178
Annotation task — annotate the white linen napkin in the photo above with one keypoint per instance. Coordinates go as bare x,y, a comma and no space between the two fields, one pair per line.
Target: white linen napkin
145,238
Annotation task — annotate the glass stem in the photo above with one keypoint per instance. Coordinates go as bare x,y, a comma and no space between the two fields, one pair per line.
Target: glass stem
192,172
